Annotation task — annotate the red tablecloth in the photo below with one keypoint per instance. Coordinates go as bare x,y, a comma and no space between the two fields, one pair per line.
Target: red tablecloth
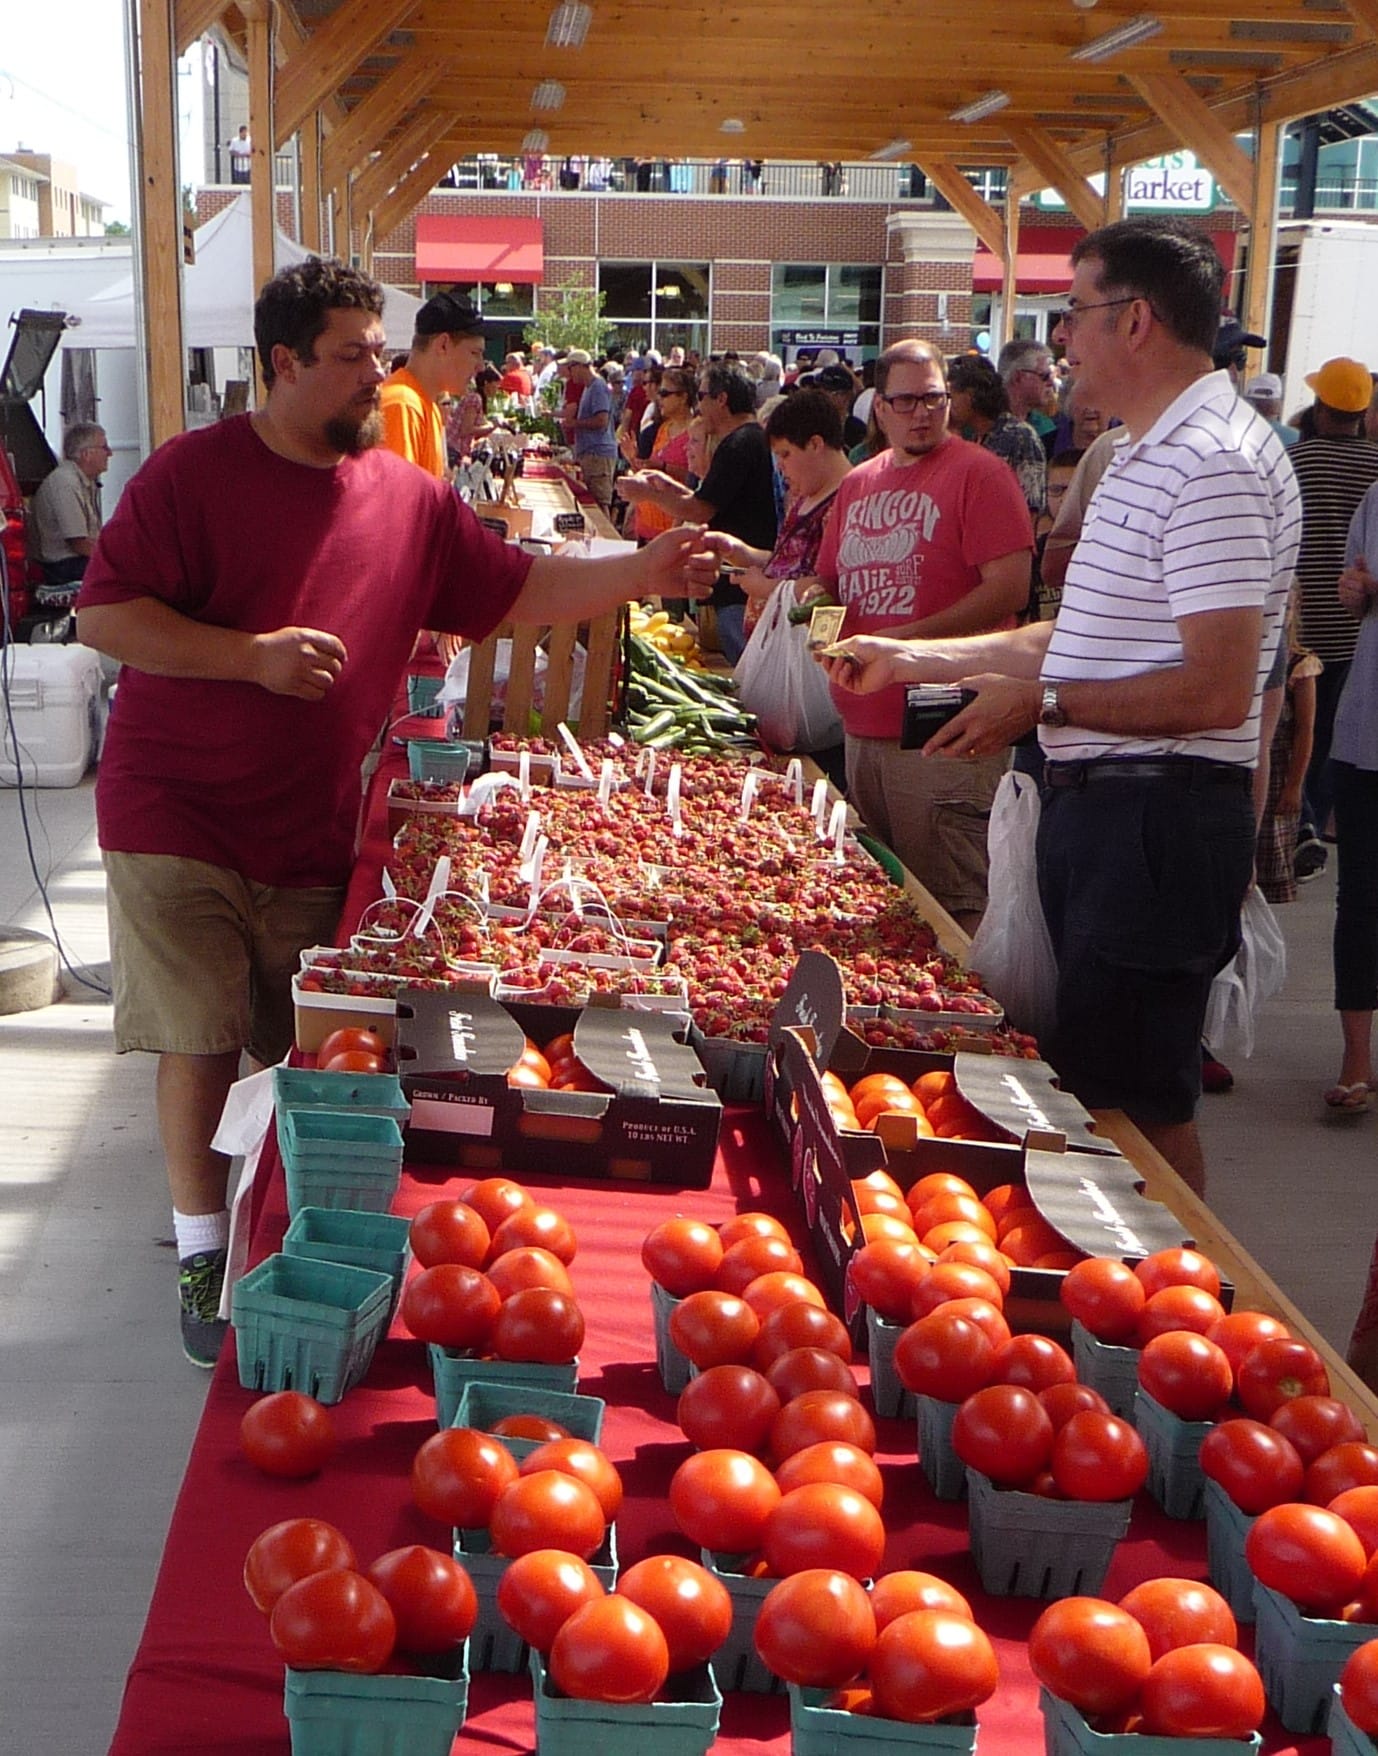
206,1680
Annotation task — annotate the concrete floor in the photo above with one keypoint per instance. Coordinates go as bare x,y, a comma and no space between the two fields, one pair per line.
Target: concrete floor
98,1407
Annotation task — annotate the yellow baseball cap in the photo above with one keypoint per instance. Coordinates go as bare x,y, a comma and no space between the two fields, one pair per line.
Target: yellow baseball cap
1343,384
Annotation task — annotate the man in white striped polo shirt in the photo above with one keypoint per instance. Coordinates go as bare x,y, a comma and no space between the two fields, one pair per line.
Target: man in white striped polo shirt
1146,689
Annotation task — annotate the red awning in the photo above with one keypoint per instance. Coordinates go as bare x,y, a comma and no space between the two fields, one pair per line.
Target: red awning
455,248
1047,269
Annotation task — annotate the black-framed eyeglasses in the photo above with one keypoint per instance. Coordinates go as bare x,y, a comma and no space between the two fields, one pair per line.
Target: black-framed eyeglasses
1073,312
906,401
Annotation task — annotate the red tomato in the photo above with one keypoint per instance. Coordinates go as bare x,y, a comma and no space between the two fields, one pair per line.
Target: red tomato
450,1231
979,1254
1003,1431
721,1500
833,1460
1033,1362
1178,1267
610,1650
1359,1508
1277,1370
451,1305
529,1426
287,1434
495,1199
753,1256
1187,1374
1350,1465
541,1226
929,1664
1202,1691
458,1474
529,1266
1307,1554
953,1280
1359,1687
540,1590
816,1629
818,1416
352,1061
1105,1297
284,1553
1062,1401
1315,1423
937,1210
810,1368
538,1325
885,1274
431,1597
546,1510
1098,1457
750,1225
526,1077
985,1315
1091,1654
778,1290
823,1525
936,1182
728,1406
1255,1466
586,1463
1180,1612
1239,1333
692,1608
944,1356
1364,1608
1178,1307
351,1039
712,1328
897,1594
336,1621
795,1326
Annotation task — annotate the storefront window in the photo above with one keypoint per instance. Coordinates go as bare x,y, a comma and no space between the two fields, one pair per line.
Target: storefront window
798,293
833,305
656,304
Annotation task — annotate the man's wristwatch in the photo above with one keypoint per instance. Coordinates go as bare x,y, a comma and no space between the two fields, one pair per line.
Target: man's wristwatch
1051,712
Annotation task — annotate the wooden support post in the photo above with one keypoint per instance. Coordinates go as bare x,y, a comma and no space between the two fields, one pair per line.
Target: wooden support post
1196,125
311,183
262,183
1010,291
1263,216
158,222
1113,199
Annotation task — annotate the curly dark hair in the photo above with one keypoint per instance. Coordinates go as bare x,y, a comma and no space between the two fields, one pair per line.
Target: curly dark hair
808,412
982,383
293,307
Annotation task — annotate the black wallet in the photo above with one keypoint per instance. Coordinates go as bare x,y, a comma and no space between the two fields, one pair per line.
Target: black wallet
927,709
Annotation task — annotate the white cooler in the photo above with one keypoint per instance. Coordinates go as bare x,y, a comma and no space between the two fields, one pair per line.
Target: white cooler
54,712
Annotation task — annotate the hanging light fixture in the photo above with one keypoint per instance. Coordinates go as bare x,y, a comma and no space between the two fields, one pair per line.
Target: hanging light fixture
548,95
1124,36
981,107
569,25
535,140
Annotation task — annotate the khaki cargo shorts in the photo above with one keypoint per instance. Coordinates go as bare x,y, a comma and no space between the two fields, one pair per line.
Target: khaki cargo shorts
201,959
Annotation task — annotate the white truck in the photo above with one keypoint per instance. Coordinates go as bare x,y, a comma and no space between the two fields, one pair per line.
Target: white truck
1325,300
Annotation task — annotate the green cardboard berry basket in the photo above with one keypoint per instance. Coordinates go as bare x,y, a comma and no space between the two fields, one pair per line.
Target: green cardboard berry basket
438,759
493,1645
1300,1657
1175,1479
359,1239
816,1730
340,1713
888,1396
736,1663
352,1184
672,1365
681,1721
480,1404
369,1094
1113,1371
1066,1733
945,1472
1230,1573
1026,1545
452,1370
422,691
315,1138
1346,1739
305,1325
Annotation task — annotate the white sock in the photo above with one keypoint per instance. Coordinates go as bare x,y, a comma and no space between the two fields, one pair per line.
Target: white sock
200,1232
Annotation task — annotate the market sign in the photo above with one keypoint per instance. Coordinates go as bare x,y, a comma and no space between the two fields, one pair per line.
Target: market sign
819,338
1172,183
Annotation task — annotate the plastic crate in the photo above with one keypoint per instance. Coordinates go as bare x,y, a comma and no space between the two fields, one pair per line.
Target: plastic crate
1230,1573
943,1469
493,1645
1066,1733
672,1365
888,1395
453,1370
1025,1545
1113,1371
369,1094
438,759
321,1139
1174,1457
481,1404
681,1721
358,1239
736,1663
340,1713
1345,1737
304,1325
1300,1657
816,1730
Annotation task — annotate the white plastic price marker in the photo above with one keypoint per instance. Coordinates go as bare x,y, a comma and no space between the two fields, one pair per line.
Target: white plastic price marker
794,779
529,834
524,773
576,751
389,888
440,883
672,796
648,785
483,789
820,804
751,782
530,870
837,829
617,741
605,781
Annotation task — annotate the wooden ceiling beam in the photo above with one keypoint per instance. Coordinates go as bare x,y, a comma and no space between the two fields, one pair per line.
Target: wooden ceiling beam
1059,172
1365,14
290,33
374,118
397,158
963,199
194,18
320,64
408,194
1198,127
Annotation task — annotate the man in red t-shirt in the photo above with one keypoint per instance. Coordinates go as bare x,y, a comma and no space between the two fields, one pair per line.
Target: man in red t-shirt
516,380
931,537
261,583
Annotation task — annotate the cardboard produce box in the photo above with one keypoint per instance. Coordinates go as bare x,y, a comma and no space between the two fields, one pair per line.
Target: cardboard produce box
659,1123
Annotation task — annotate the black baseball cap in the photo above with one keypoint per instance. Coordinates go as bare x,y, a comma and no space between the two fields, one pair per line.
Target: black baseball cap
448,314
1232,339
833,378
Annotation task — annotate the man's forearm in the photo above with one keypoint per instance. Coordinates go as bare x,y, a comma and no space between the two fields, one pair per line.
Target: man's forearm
1010,652
569,589
151,636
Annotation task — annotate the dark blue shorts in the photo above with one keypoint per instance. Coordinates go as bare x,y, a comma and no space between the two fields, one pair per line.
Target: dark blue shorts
1141,877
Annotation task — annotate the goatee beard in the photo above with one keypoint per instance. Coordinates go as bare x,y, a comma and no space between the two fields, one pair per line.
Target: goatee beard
353,438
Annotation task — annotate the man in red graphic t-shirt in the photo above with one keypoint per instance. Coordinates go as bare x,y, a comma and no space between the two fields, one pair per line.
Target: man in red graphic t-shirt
928,538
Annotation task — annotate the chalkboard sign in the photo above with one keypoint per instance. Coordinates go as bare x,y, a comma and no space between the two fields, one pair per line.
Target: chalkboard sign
569,524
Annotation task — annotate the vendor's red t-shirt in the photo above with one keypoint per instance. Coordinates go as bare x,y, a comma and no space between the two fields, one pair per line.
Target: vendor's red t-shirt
227,532
907,540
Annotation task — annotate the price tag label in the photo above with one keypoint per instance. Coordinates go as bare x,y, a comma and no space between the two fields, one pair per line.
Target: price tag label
569,524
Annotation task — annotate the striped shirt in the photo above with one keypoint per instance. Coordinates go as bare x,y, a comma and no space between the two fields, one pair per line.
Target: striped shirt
1333,474
1201,513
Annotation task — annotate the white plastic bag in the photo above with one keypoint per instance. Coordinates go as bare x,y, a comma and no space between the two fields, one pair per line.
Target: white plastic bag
1011,948
782,684
1255,973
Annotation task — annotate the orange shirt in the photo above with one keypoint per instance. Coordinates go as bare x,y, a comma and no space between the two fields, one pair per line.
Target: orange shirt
412,424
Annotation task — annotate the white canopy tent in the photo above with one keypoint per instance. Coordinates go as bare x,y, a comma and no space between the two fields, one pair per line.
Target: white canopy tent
217,292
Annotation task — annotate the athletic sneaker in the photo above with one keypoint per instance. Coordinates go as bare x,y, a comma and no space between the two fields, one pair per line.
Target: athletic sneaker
200,1281
1311,858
